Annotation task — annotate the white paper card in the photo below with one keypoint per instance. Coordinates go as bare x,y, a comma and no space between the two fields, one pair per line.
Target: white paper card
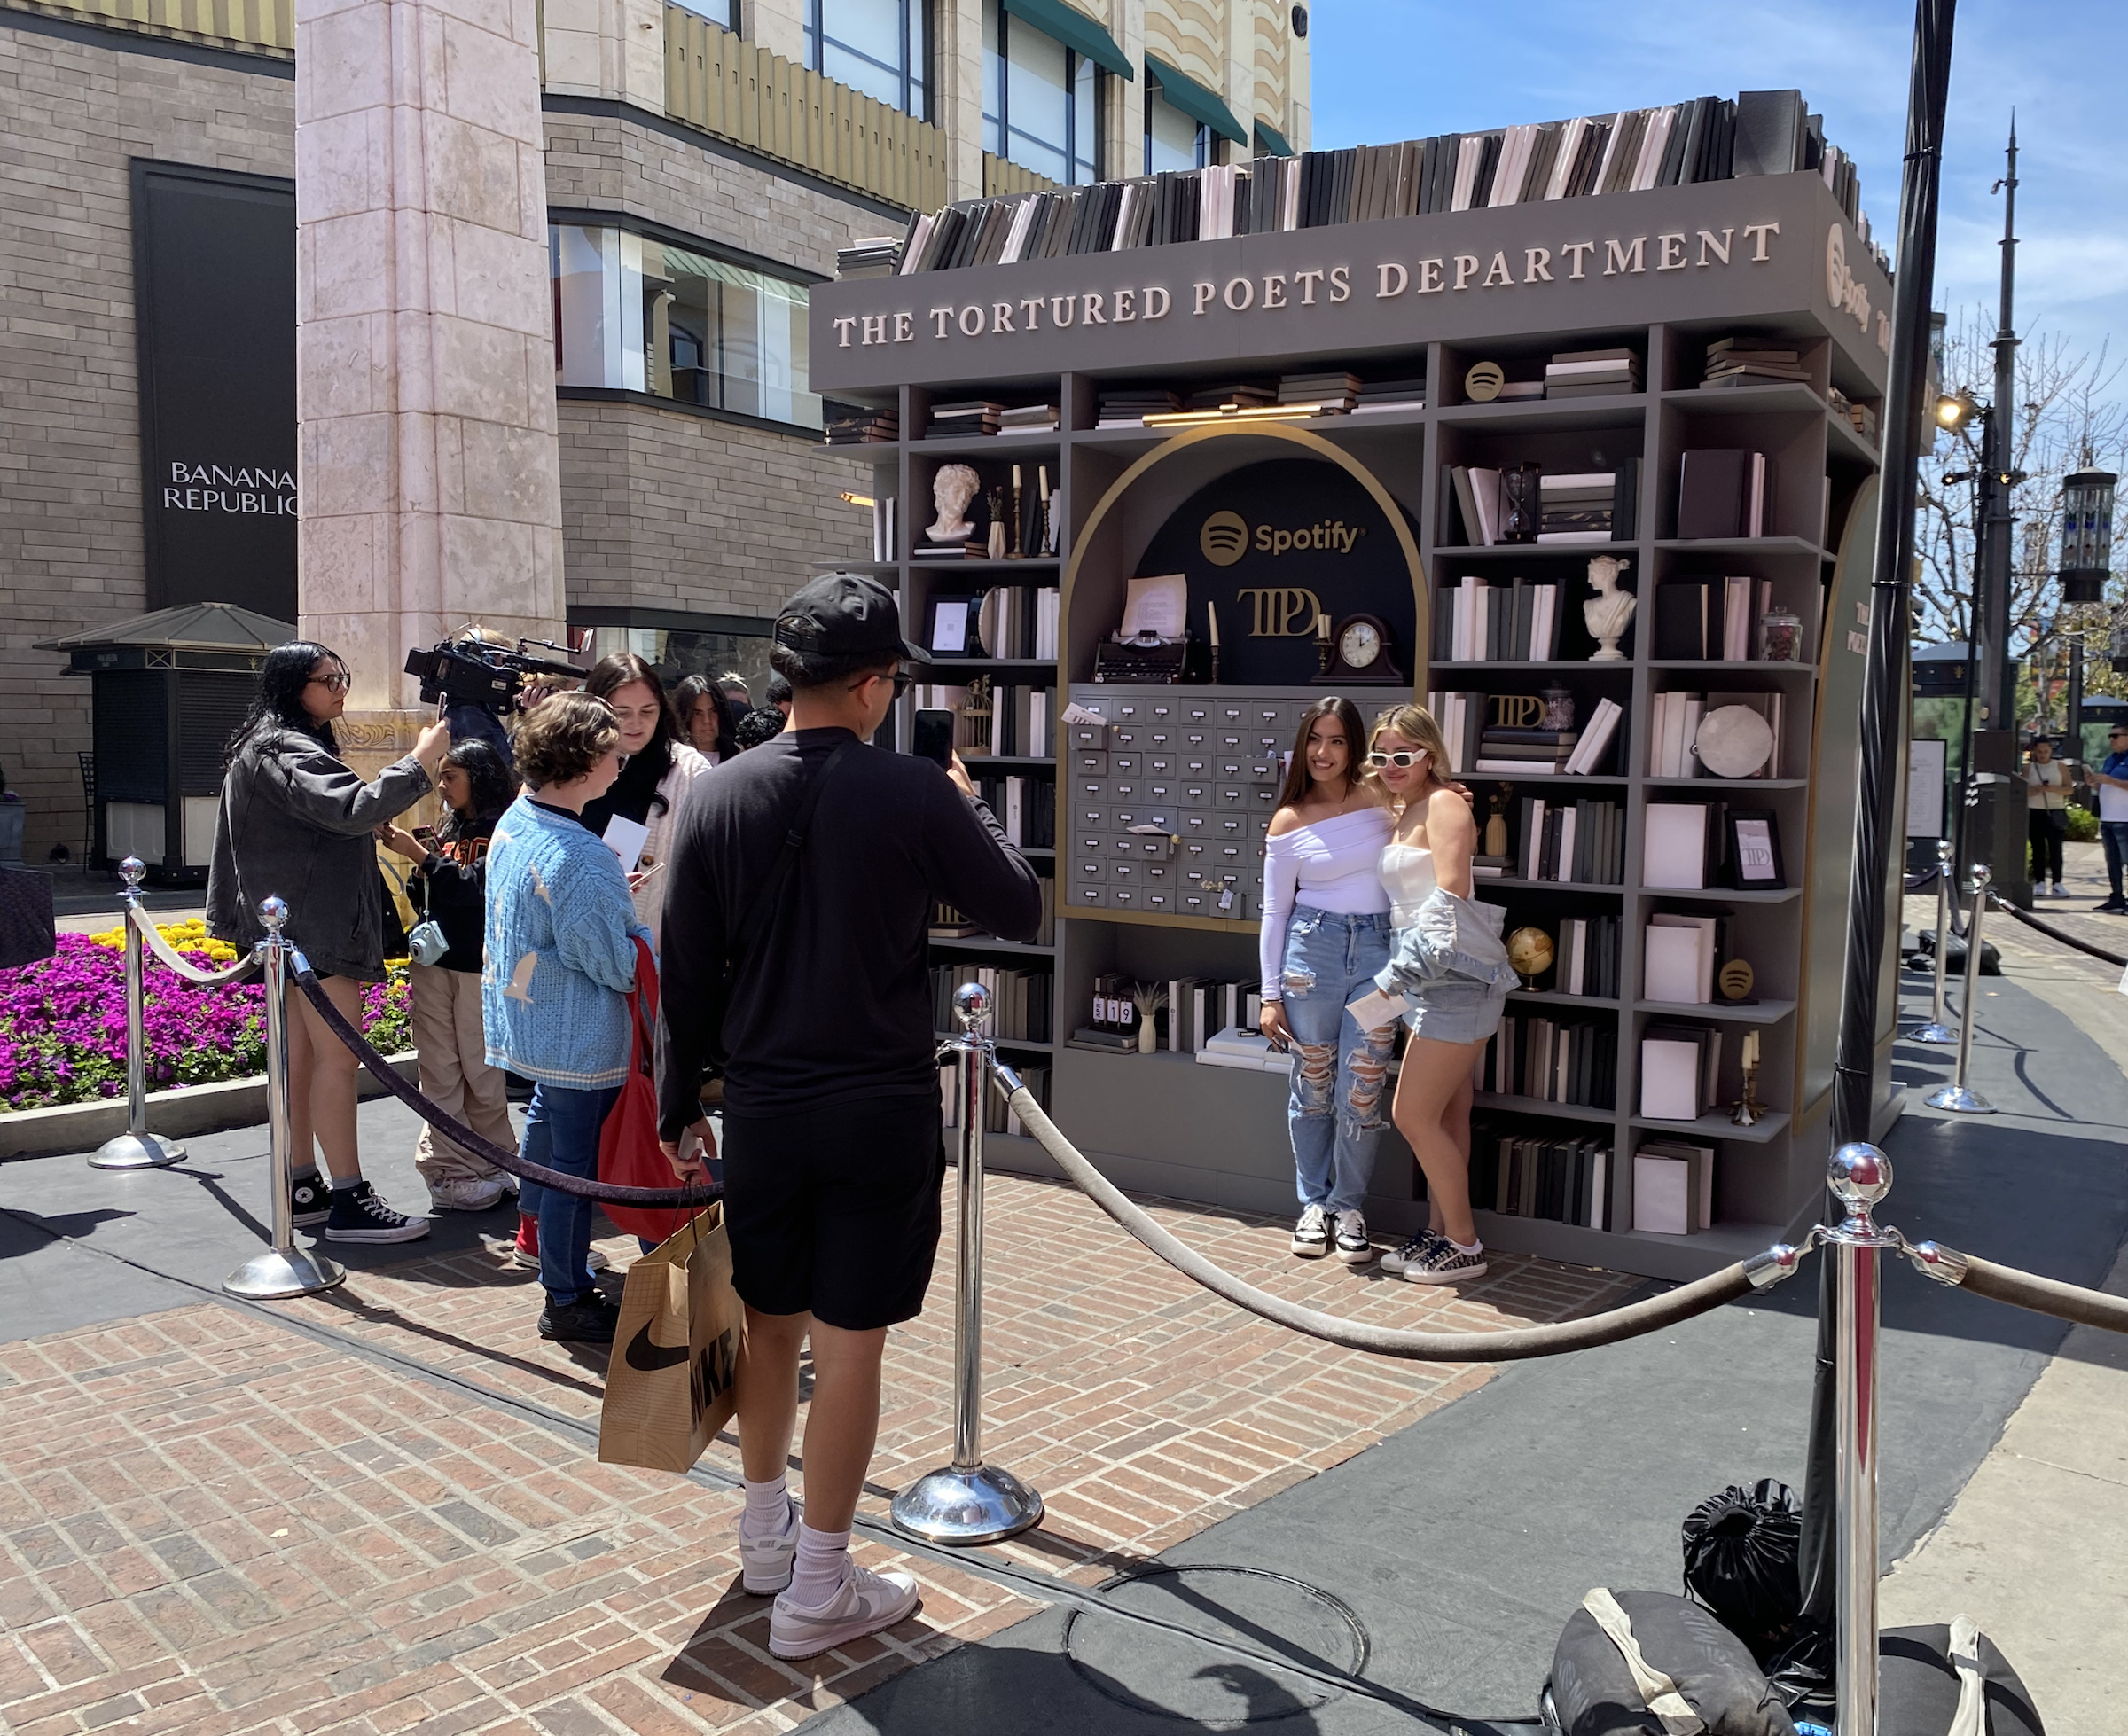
1159,605
1661,1195
625,839
1373,1010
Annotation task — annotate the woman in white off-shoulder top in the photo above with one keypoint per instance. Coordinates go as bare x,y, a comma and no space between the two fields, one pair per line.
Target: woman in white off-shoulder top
1326,934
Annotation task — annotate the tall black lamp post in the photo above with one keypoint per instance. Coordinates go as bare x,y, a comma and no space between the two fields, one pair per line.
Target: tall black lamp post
2086,564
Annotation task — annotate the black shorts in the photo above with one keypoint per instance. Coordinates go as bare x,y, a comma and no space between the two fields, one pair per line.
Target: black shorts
836,1212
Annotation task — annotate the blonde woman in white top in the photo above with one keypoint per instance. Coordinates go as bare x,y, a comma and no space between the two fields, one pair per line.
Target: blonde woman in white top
1326,934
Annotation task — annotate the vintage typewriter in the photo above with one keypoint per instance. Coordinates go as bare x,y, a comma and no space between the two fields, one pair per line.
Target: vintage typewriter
1147,659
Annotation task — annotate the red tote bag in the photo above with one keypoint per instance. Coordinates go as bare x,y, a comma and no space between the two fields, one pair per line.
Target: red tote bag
628,1144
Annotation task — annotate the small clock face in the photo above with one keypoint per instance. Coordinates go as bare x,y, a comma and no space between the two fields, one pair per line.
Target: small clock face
1359,645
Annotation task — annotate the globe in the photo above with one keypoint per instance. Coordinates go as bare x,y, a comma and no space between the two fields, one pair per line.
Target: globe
1530,951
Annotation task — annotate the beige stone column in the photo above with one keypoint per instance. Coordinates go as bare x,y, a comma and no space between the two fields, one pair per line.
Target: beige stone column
425,395
1123,120
957,103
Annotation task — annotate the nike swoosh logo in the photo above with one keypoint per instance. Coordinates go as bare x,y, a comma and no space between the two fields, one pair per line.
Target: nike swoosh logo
647,1357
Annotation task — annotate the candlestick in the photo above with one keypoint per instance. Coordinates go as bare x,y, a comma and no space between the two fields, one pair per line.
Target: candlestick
1211,616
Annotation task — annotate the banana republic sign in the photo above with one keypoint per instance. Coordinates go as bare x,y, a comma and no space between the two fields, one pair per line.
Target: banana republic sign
1272,547
1761,246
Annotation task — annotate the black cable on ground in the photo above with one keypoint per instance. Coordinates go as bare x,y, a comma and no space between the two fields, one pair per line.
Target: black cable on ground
2055,933
612,1193
1510,1345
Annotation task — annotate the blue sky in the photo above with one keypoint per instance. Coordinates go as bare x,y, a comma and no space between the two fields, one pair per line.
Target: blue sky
1391,69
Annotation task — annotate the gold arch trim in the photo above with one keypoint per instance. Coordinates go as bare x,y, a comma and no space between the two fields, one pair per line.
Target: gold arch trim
1420,649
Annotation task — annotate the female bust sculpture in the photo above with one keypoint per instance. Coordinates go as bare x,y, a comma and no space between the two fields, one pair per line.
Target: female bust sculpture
1610,611
952,490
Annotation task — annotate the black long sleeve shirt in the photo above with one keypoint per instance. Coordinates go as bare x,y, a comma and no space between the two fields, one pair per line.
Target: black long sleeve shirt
834,1003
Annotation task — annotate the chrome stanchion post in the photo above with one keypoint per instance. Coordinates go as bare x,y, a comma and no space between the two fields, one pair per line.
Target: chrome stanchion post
136,1148
967,1501
283,1270
1859,1176
1936,1031
1955,1096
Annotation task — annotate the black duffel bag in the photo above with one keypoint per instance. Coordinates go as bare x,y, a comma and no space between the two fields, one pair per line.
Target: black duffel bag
1685,1655
1918,1685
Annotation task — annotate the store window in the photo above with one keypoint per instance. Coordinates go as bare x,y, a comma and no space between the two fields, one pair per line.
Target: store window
676,653
1173,139
1040,100
642,315
881,47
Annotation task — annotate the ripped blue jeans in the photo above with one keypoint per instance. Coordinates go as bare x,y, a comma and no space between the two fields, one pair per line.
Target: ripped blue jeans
1335,1111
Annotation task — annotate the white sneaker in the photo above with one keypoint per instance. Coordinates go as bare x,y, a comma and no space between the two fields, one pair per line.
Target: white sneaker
866,1602
1444,1263
766,1560
1353,1247
464,1194
1311,1234
1413,1251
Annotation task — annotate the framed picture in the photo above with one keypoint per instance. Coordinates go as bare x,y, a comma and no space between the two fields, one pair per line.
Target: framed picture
1754,863
951,629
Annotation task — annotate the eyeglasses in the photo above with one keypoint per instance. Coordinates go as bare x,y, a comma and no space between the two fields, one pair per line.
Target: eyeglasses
902,680
1400,760
338,684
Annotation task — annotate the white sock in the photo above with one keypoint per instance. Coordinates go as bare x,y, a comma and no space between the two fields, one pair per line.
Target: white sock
1467,1248
767,1504
817,1575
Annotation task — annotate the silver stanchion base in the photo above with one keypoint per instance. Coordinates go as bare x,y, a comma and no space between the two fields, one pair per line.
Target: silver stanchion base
1960,1100
272,1276
1941,1035
979,1505
136,1150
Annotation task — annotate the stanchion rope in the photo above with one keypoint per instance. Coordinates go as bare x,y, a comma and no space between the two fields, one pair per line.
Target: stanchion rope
2055,933
1510,1345
2020,1289
459,1134
144,926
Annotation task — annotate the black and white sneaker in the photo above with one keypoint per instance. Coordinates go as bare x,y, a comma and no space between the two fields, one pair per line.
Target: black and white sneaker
1393,1263
358,1214
1353,1247
2112,907
306,1197
1311,1234
1443,1262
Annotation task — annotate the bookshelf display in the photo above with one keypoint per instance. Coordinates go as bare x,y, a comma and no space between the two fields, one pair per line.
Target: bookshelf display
1127,500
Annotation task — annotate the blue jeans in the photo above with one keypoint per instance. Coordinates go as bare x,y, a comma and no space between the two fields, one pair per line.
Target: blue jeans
1338,1069
561,1132
2113,834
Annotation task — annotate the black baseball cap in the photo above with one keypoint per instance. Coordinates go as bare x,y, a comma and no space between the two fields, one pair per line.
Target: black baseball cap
845,615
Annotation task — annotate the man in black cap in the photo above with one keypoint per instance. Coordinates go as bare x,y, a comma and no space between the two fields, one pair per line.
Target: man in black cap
803,874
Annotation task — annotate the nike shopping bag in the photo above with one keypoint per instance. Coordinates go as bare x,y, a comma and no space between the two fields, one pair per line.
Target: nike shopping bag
668,1380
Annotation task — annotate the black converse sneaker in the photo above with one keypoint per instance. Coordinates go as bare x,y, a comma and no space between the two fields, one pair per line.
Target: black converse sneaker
307,1196
1311,1234
359,1215
1444,1264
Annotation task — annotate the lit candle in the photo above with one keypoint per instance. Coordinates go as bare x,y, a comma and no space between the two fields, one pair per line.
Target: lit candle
1211,615
1322,627
1015,477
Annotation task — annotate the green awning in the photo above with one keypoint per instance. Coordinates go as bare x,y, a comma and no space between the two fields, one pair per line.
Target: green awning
1271,141
1076,31
1195,101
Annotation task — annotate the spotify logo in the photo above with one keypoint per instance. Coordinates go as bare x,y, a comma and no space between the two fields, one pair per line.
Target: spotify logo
1225,538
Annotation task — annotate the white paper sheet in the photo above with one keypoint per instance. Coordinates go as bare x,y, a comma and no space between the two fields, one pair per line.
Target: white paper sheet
625,838
1159,605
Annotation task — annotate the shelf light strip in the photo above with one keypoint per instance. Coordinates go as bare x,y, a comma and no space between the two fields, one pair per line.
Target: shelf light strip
1185,419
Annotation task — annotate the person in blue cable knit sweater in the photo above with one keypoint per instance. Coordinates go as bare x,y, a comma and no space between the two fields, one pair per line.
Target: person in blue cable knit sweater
561,965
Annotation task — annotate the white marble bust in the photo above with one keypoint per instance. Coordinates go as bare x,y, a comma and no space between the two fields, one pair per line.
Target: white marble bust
952,490
1610,611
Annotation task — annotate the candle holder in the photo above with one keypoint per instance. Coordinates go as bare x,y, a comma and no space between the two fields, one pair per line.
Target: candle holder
1749,1111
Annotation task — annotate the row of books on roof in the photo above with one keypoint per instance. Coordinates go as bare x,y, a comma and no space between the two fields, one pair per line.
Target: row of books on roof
997,1116
1322,394
1576,844
1553,1061
859,426
1478,510
1019,999
1708,138
1673,732
1569,373
967,416
1477,746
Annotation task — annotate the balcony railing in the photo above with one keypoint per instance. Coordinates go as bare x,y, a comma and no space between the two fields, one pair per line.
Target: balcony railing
257,27
1001,176
741,92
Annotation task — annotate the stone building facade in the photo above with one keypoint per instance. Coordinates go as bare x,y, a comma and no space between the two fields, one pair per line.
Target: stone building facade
685,522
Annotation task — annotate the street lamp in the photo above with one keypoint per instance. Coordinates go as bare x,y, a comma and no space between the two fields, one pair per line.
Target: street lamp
2086,535
1954,409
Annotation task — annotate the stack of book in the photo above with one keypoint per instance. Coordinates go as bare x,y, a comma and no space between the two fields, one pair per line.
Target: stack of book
1018,620
1563,1181
1592,373
1235,394
1245,1048
1375,395
855,427
885,529
1702,619
1019,999
972,416
1680,952
1745,360
1679,1066
1575,507
1578,842
1525,753
1552,1060
965,549
1723,492
1482,623
1126,407
1028,418
1199,1008
875,256
1588,759
1326,393
1673,1187
1019,722
1860,417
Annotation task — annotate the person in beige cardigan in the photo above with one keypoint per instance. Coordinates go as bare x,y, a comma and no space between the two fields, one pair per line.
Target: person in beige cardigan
657,767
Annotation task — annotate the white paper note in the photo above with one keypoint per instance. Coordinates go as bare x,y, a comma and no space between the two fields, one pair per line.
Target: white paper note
625,839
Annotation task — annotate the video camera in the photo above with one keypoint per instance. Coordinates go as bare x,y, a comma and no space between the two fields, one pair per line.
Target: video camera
472,671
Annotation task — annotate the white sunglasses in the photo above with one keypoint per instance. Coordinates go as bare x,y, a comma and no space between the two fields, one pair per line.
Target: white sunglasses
1400,760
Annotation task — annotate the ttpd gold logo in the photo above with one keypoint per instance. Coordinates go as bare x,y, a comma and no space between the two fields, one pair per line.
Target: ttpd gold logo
1225,538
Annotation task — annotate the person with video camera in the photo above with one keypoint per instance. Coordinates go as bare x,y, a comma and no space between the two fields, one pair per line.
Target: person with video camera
803,876
297,823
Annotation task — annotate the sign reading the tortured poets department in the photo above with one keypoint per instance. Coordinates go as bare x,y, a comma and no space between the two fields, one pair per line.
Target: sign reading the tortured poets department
1766,247
215,292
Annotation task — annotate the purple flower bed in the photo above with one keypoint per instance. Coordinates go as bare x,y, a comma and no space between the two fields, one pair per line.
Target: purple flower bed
63,1026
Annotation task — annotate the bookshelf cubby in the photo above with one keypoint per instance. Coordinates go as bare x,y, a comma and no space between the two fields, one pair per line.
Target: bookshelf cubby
1215,1134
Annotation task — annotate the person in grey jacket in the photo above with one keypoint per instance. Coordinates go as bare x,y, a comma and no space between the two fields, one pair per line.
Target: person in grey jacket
297,823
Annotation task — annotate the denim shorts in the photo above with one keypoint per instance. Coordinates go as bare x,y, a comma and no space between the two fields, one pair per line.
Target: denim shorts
1457,1009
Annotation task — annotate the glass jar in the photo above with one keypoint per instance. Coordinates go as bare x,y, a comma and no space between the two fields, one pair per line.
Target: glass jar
1780,635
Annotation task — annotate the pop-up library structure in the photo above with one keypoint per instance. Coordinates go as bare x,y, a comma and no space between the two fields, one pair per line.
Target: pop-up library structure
1590,473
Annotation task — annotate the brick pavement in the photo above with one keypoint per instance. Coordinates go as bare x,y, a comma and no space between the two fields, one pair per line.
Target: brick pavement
210,1523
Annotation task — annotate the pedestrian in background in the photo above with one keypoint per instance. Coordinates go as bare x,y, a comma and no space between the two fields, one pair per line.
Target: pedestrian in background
561,965
761,726
706,718
778,694
2111,777
297,823
656,768
448,887
2046,813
